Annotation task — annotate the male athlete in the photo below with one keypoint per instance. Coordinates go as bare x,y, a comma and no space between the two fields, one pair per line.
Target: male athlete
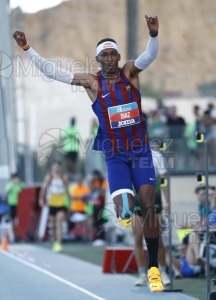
122,134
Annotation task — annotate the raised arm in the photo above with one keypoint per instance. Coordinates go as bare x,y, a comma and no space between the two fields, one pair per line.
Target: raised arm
49,69
133,67
44,65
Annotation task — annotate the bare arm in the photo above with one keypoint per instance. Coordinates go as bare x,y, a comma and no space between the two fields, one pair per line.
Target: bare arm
43,190
66,185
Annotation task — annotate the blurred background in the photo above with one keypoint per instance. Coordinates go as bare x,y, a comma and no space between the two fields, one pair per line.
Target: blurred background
34,111
178,89
39,117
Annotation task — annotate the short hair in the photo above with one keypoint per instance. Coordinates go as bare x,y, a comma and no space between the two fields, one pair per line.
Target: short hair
58,162
106,40
73,121
98,174
203,188
14,175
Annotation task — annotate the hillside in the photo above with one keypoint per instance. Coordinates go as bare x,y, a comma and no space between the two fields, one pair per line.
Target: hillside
187,27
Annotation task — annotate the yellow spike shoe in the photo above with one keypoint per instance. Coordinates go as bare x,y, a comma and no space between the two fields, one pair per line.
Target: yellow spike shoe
57,247
155,282
125,222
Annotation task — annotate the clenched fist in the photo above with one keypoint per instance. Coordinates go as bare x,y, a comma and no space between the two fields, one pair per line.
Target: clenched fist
20,38
153,25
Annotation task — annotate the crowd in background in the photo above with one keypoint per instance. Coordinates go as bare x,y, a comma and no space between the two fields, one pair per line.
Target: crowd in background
183,153
77,196
81,205
166,123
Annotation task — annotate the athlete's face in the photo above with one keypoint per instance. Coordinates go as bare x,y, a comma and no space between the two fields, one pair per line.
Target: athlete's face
108,59
56,168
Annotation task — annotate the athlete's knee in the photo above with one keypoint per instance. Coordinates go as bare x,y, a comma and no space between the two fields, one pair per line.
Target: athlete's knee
124,205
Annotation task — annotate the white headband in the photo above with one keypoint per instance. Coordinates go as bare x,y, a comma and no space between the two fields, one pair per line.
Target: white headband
106,45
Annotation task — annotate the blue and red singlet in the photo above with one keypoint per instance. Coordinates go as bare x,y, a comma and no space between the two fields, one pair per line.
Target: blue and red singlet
122,134
122,126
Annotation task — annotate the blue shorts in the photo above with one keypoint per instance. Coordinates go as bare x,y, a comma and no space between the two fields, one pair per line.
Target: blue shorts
186,270
126,172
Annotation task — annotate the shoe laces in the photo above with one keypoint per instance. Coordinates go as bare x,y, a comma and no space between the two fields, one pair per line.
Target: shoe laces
154,275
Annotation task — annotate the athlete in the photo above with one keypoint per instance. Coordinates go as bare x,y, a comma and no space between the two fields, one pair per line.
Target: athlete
54,192
122,135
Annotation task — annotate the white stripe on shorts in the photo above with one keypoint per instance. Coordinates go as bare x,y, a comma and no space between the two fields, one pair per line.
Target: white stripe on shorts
121,191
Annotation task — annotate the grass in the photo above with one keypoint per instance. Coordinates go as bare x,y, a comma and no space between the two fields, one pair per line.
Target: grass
195,287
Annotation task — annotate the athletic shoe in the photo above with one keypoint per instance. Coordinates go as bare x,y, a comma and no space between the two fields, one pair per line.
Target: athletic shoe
57,247
155,283
165,278
142,280
125,222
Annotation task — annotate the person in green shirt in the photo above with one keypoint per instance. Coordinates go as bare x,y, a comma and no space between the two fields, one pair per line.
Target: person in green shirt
71,140
13,188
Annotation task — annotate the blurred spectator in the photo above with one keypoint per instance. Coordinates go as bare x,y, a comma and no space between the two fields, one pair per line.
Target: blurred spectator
176,129
194,153
210,124
79,194
54,192
209,116
160,104
156,126
13,188
212,200
71,137
95,210
200,225
200,191
93,160
189,263
191,150
94,127
198,118
4,208
162,109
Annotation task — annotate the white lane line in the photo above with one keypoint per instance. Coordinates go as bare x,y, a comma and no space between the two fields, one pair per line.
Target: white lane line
51,275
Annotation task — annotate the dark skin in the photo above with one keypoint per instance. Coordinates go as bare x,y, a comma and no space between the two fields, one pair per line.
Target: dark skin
106,57
109,60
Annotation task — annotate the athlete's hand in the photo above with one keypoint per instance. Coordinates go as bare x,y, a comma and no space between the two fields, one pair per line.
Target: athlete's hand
20,38
153,25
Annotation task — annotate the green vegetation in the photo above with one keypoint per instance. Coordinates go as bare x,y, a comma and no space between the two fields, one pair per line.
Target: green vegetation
207,89
148,90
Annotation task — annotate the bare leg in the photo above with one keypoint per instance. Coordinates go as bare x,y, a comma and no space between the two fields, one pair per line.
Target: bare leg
52,220
176,266
192,252
60,217
14,225
151,233
90,227
151,223
162,253
162,249
140,256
